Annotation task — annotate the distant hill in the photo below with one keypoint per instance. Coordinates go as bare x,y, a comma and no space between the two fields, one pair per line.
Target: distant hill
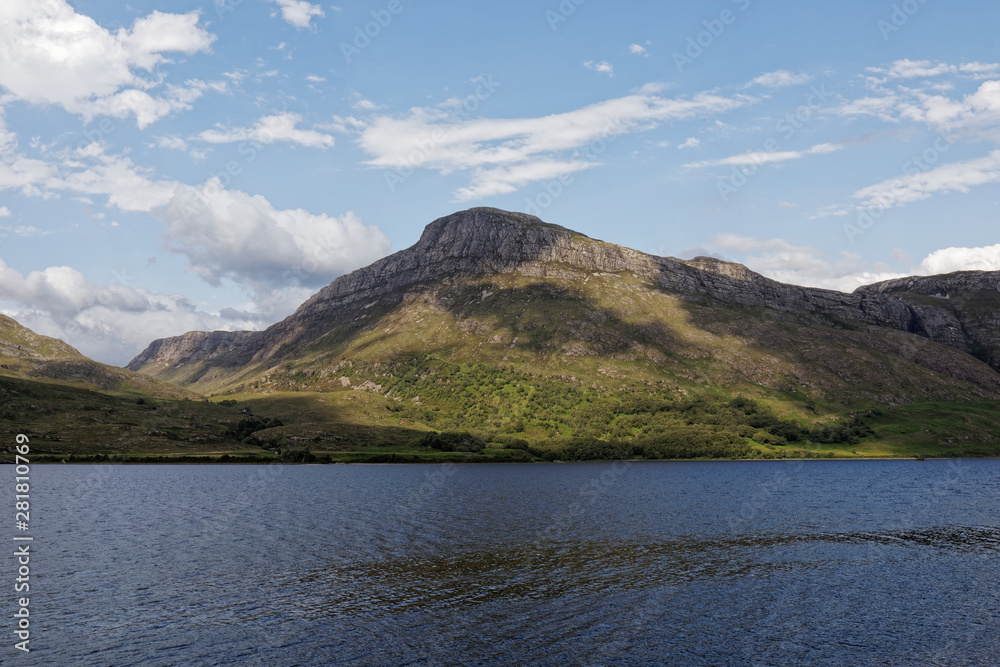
31,356
71,406
503,324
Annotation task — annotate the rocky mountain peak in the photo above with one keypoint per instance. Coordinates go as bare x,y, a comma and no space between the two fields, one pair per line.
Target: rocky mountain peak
480,242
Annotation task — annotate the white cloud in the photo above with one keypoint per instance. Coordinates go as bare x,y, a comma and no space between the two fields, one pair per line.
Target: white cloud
431,138
976,113
690,142
359,103
87,169
501,180
911,69
110,324
4,212
26,230
801,265
637,49
315,79
53,55
951,177
90,170
171,143
230,235
271,129
879,107
948,260
602,66
298,13
764,157
781,78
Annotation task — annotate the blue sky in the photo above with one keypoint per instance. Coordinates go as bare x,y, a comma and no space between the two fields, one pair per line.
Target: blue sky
166,167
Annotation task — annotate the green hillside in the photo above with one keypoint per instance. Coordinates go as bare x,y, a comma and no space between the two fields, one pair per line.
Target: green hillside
500,337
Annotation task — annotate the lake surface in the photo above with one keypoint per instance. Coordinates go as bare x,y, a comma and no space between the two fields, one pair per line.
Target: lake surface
742,563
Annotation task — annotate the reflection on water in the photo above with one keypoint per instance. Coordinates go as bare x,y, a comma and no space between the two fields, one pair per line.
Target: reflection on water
721,563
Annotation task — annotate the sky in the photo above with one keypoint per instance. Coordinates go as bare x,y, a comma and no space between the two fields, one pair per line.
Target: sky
204,165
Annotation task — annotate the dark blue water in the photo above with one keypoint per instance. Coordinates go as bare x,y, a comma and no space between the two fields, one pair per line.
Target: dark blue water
742,563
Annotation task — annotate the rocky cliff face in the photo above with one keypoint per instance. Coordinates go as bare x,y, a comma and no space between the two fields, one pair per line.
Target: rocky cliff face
483,241
958,309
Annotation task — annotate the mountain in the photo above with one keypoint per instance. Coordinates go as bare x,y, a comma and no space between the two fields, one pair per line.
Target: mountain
27,355
479,279
71,406
489,296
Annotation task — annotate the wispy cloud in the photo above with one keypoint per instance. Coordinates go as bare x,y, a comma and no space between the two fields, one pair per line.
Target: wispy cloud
764,157
951,177
781,78
506,153
268,130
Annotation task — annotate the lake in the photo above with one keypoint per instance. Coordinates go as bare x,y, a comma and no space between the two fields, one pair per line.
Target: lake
686,563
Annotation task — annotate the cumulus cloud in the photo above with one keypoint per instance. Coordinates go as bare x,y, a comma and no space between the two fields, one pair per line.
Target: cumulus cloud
802,265
107,323
4,212
785,262
765,157
298,13
501,153
637,49
90,170
897,97
86,169
53,55
949,260
231,235
974,113
603,67
271,129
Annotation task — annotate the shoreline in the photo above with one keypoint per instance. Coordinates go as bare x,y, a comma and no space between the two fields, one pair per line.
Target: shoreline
207,461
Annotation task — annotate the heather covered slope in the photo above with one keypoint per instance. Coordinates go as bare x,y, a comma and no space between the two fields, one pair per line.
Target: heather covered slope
27,355
505,288
501,324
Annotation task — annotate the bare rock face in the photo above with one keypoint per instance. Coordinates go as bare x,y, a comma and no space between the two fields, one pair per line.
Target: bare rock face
958,309
483,241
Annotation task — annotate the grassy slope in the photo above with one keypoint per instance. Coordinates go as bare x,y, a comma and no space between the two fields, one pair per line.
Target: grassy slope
30,356
588,343
514,357
63,419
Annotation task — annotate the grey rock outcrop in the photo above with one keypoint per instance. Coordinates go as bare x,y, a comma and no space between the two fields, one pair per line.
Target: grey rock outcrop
489,241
